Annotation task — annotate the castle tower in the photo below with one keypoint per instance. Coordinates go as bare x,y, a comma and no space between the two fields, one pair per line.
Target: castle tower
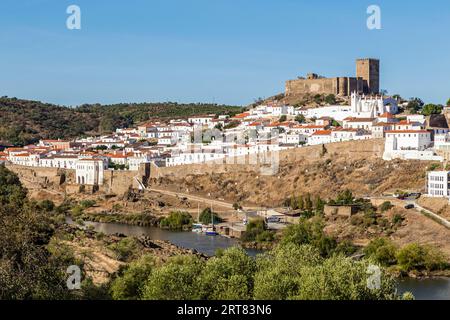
369,71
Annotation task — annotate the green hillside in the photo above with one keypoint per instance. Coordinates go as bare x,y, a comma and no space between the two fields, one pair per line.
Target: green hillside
26,121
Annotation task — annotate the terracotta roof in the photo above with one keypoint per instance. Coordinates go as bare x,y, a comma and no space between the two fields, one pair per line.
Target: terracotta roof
387,115
383,124
361,120
312,127
322,133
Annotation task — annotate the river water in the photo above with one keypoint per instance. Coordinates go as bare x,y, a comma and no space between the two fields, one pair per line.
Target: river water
426,289
189,240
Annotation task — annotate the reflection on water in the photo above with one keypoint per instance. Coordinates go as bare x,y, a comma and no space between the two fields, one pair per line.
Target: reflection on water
426,289
189,240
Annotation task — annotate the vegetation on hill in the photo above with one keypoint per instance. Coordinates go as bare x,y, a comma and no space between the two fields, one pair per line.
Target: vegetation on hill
290,271
30,267
26,121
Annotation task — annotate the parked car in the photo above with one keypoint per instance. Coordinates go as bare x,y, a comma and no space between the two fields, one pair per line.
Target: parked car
409,206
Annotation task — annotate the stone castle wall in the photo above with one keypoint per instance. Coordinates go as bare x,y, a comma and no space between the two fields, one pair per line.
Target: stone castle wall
367,81
63,180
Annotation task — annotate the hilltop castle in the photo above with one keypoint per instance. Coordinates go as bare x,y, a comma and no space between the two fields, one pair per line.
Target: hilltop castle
367,81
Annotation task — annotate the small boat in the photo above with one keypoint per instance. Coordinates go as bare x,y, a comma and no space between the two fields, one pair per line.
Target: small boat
211,232
197,227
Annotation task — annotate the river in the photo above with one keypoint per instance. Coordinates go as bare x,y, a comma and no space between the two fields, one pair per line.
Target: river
189,240
426,289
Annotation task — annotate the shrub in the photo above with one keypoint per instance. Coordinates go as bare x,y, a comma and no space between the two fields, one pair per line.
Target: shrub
85,204
256,231
385,206
397,219
420,257
177,279
125,249
130,282
309,232
207,216
382,251
47,205
177,221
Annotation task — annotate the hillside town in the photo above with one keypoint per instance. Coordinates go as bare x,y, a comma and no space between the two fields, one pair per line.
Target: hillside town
263,129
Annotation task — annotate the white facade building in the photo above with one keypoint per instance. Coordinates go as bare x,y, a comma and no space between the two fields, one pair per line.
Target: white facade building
90,172
409,144
438,184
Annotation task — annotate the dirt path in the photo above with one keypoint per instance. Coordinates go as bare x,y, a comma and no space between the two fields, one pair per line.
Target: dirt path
217,203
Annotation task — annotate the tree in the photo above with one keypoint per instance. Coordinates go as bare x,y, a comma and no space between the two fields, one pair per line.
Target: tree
341,278
430,109
324,151
308,202
345,197
131,280
237,206
385,206
382,251
207,217
300,118
414,105
330,99
448,103
177,279
309,232
279,271
319,205
28,269
299,272
228,276
177,221
420,257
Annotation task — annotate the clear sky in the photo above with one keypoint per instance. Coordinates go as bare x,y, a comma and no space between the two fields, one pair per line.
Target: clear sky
223,51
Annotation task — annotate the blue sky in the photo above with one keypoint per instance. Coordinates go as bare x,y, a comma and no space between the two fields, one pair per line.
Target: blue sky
223,51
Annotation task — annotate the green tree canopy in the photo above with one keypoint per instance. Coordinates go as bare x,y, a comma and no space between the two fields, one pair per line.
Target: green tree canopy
430,109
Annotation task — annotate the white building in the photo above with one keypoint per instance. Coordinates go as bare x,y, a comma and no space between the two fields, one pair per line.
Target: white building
372,106
359,123
203,120
90,172
409,144
438,184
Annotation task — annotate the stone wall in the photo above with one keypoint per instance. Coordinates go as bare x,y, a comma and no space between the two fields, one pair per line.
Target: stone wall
340,211
34,178
362,149
63,180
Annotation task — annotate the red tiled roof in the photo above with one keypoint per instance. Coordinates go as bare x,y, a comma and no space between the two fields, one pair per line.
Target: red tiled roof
322,133
387,115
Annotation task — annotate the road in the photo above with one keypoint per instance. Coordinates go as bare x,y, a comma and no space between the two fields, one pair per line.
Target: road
216,203
417,207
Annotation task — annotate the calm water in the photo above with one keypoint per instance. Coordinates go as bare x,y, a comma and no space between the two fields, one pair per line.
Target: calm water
427,289
189,240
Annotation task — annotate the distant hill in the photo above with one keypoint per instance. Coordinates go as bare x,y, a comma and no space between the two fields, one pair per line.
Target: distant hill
26,121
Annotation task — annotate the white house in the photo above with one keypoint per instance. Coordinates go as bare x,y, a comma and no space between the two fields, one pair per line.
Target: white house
438,183
409,144
359,123
320,137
